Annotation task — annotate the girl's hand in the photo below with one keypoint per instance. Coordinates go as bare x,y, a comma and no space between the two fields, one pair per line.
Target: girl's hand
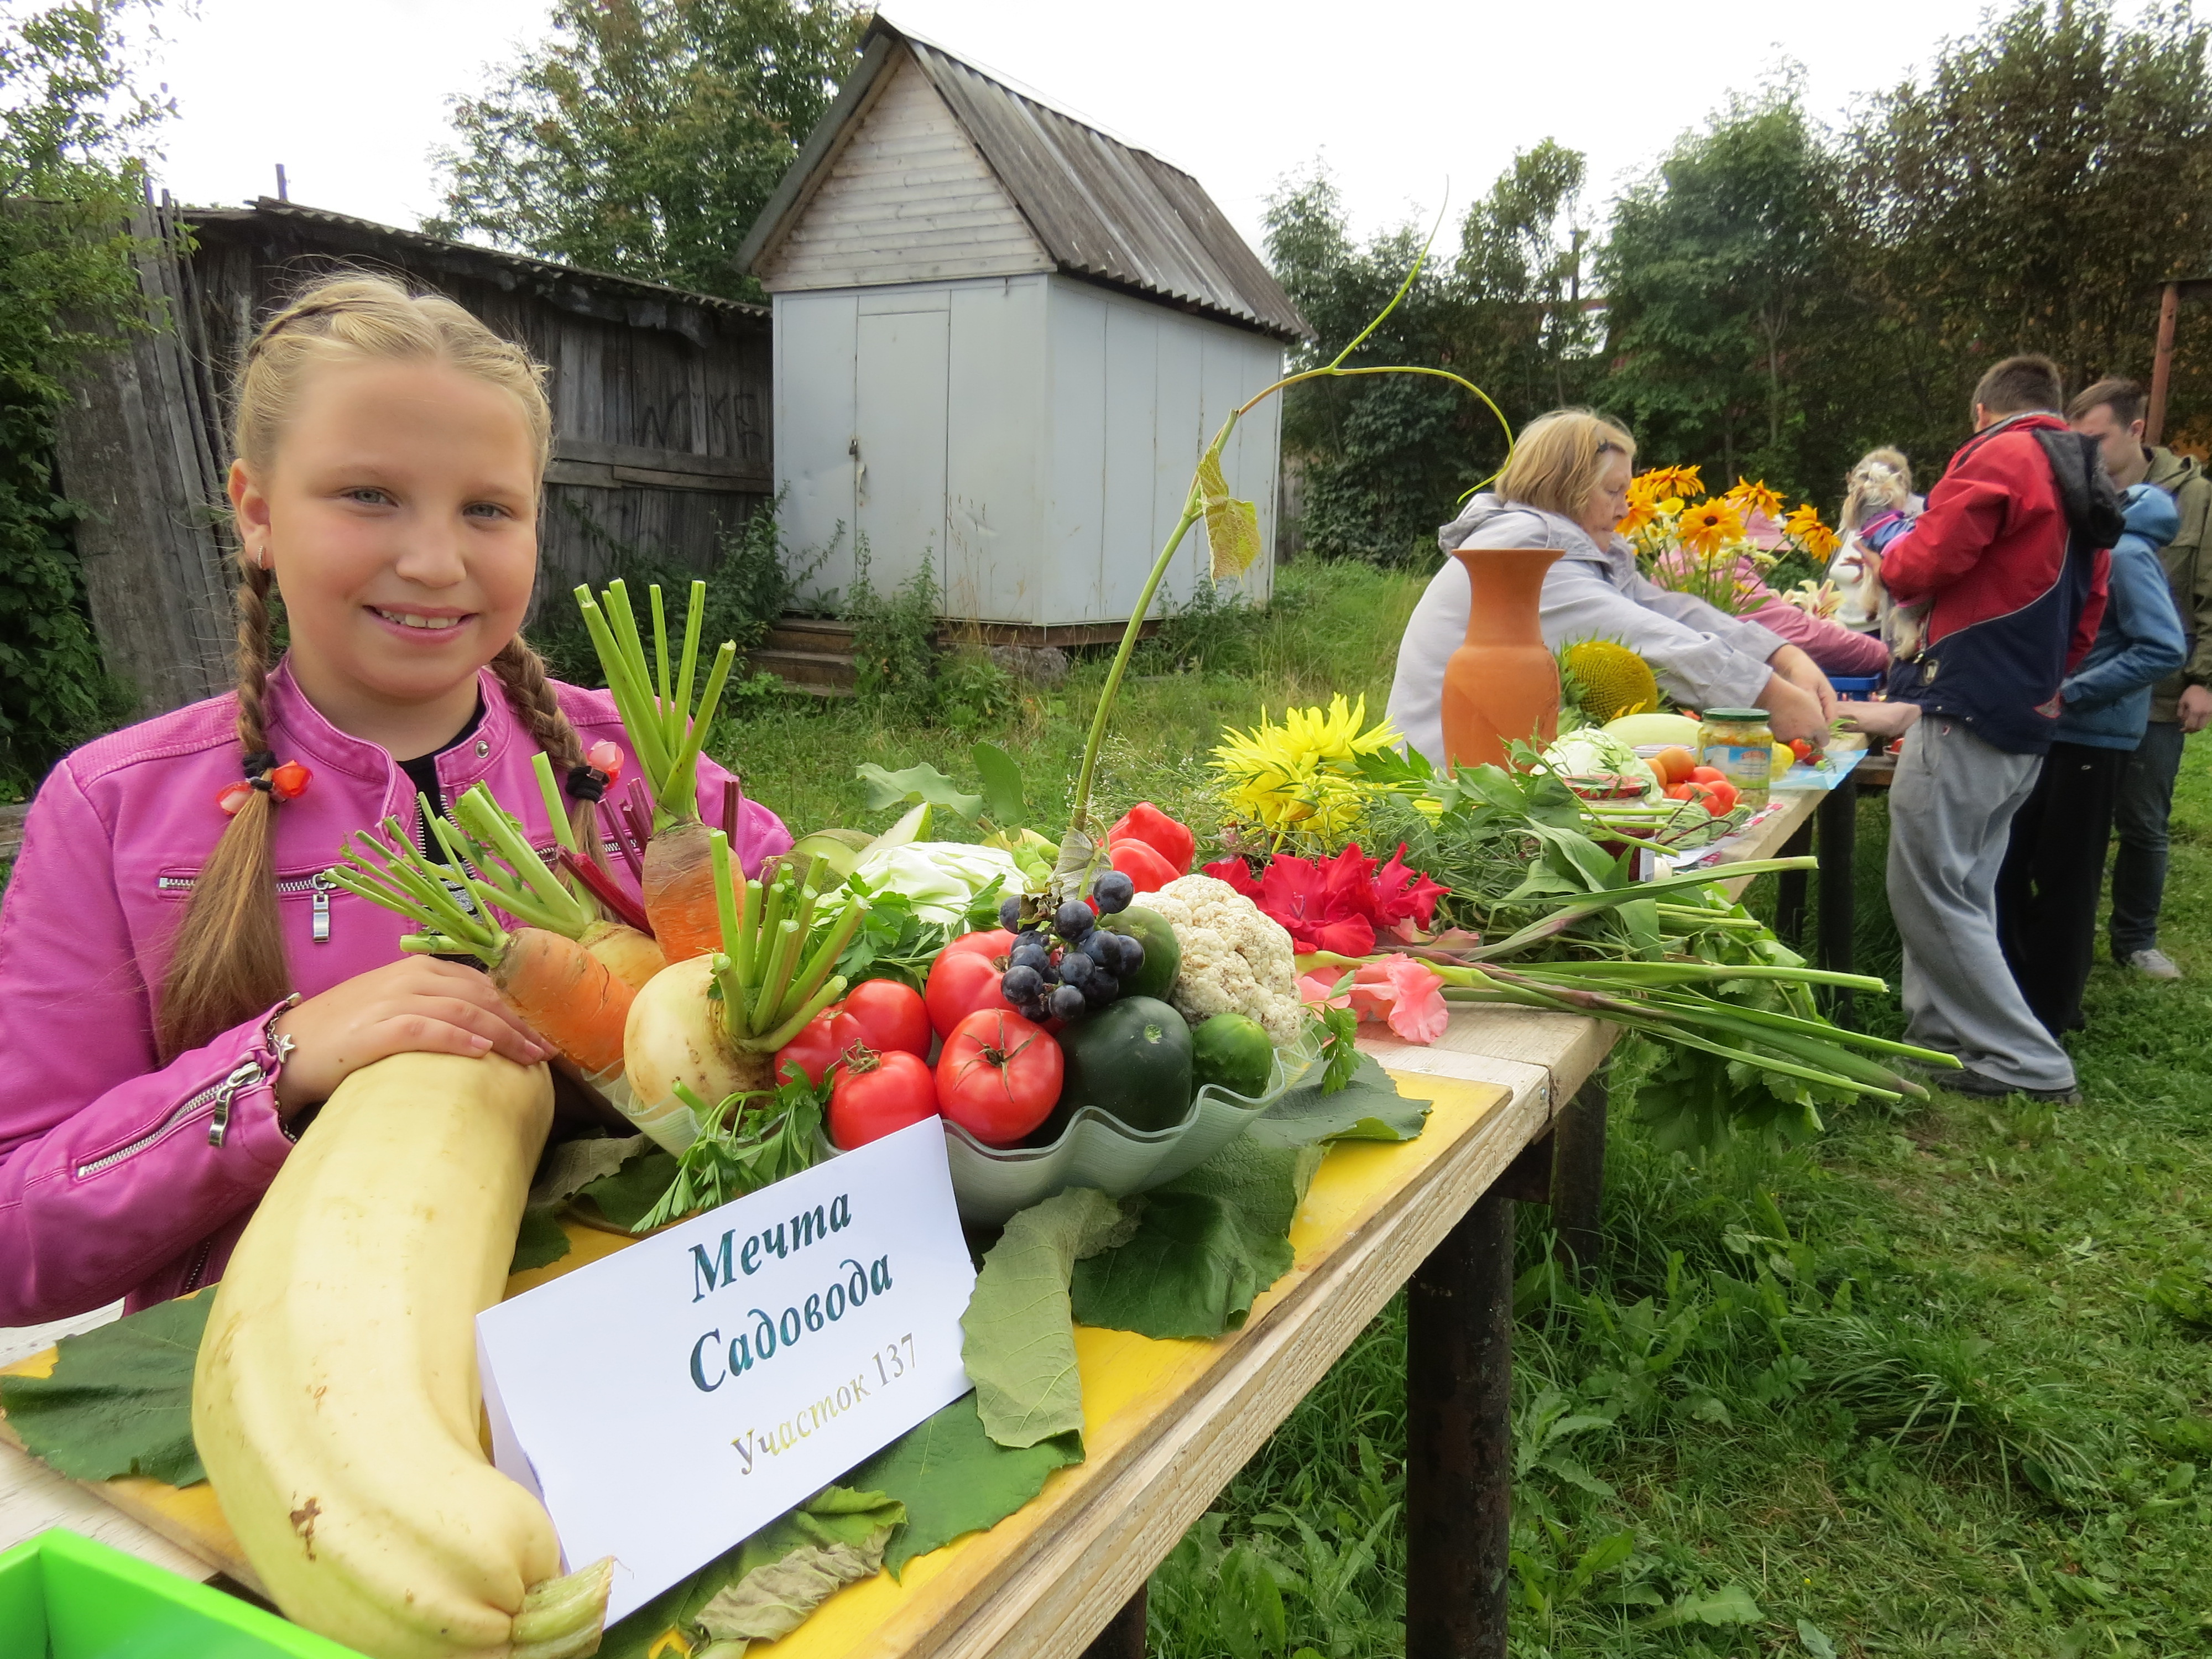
417,1005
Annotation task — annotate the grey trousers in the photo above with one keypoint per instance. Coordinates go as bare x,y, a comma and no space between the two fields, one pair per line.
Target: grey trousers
1950,813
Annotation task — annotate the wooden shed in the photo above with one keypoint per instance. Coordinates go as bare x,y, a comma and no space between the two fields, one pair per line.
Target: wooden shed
1002,339
661,410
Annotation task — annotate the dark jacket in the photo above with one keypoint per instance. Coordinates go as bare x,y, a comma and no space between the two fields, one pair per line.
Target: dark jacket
2188,564
2012,554
2108,698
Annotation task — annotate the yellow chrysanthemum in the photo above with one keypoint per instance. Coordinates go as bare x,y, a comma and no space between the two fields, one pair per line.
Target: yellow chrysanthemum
1302,774
1706,529
1750,498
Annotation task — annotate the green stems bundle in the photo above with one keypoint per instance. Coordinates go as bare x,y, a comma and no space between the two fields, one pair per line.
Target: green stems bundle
774,970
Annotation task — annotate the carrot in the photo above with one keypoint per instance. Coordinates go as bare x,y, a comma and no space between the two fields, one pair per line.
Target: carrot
562,991
665,729
679,892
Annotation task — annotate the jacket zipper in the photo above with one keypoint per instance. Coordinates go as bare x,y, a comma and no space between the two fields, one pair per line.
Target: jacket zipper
244,1075
199,1266
318,884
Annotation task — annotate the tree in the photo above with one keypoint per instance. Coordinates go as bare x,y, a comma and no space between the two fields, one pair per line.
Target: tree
2032,195
1386,459
69,120
1721,267
643,136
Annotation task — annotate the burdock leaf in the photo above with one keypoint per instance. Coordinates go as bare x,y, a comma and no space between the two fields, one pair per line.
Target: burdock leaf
1020,1344
119,1400
1368,1107
920,783
1232,527
954,1479
539,1242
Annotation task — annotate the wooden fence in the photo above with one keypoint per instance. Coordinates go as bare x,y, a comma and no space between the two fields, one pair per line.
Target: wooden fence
661,408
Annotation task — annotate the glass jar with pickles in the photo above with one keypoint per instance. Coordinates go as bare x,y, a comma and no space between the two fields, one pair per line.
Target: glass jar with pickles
1739,745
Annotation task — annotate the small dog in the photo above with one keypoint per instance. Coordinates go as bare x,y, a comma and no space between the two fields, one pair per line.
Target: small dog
1879,507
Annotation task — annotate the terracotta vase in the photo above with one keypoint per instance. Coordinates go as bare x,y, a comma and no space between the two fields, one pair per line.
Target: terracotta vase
1502,685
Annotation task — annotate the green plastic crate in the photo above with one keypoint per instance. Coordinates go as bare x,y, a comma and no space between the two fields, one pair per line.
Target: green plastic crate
66,1597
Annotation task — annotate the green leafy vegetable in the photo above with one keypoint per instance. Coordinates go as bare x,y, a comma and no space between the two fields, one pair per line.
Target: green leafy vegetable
1020,1344
119,1400
1366,1107
919,783
954,1479
750,1142
624,1197
1342,1025
1203,1248
539,1242
813,1550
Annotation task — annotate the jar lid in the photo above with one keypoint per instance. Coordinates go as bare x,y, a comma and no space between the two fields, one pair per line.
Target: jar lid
1735,714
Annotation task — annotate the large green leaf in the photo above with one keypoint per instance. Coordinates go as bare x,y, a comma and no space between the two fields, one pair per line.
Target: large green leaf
1020,1344
1368,1108
920,782
776,1577
627,1196
1004,802
954,1479
1204,1246
119,1400
539,1242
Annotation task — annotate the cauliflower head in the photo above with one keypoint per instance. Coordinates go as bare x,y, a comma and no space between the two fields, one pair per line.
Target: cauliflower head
1235,959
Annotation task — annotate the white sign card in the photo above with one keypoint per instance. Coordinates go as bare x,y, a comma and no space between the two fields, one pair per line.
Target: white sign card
672,1399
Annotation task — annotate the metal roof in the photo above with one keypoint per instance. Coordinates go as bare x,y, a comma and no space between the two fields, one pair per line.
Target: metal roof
1101,208
269,207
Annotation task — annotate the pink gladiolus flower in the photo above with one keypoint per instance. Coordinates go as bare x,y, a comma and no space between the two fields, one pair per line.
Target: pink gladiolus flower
1319,990
1402,993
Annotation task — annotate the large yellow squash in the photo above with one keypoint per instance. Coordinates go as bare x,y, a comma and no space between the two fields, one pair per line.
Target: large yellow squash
335,1400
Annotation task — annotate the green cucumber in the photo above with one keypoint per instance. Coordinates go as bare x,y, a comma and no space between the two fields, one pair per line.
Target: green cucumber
1232,1051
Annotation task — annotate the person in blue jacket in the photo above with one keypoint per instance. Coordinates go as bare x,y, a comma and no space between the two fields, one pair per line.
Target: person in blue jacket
2054,865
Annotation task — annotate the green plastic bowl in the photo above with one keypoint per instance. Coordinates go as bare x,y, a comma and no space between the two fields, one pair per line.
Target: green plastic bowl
66,1597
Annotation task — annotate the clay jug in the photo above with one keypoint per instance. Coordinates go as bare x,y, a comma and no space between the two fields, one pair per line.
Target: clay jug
1501,685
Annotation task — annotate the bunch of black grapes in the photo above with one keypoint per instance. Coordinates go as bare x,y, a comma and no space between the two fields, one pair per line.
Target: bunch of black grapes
1067,963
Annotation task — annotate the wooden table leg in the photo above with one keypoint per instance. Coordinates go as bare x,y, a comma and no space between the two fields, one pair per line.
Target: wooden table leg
1458,1439
1124,1635
1578,1180
1840,823
1789,888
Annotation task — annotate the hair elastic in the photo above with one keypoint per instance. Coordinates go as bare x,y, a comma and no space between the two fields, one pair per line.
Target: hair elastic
586,783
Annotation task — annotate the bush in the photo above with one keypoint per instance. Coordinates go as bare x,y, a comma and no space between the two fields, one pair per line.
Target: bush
894,638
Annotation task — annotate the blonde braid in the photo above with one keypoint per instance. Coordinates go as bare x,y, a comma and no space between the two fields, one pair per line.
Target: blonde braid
529,694
226,963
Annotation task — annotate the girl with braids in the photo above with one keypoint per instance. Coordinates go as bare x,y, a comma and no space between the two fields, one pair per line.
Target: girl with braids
176,984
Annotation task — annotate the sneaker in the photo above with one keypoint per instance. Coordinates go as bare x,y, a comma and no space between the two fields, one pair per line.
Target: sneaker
2151,964
1984,1087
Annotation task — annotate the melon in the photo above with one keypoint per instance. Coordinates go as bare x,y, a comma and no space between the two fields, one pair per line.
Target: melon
1640,730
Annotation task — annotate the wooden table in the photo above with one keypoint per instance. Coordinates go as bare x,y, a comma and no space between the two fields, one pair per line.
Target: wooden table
1167,1424
1789,834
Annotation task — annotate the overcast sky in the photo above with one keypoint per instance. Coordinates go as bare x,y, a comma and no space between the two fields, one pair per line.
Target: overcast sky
353,98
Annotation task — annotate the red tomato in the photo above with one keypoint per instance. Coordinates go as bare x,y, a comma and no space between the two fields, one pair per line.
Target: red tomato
1724,797
1717,798
992,942
999,1077
1707,775
1142,864
965,979
1677,792
878,1095
1172,841
820,1044
1801,747
890,1015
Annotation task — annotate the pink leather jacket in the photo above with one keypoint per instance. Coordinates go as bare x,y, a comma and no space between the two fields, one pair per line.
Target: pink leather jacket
119,1175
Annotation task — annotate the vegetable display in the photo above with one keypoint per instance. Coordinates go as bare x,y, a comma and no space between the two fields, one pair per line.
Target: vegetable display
335,1399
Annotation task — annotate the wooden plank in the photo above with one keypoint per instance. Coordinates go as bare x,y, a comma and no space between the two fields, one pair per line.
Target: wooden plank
1767,841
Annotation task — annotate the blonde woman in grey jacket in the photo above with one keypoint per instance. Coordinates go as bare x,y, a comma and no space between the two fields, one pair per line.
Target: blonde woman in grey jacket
1567,486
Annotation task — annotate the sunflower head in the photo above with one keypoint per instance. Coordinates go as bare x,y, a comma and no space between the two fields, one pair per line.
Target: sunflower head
1612,679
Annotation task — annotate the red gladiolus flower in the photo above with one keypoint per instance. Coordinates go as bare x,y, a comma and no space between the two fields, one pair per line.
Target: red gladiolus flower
1335,905
1400,893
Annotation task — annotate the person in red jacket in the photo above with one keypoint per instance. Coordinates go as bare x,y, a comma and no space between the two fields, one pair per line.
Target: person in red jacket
2011,558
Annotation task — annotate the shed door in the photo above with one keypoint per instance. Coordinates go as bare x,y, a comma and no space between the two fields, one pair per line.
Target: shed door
898,494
